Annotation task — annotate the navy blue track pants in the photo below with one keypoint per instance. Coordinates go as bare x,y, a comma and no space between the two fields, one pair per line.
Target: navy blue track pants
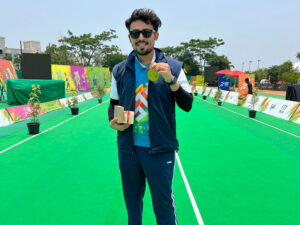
158,169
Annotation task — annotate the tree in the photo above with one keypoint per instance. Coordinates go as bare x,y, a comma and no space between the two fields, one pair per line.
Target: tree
220,61
60,56
86,46
17,61
298,55
112,59
202,49
290,77
9,58
260,74
276,72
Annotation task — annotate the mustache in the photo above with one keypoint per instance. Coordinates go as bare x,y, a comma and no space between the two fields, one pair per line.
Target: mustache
139,42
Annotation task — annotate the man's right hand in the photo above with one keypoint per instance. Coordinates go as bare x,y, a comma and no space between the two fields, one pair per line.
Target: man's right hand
118,126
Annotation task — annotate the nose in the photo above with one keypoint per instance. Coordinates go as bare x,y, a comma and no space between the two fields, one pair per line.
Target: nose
141,36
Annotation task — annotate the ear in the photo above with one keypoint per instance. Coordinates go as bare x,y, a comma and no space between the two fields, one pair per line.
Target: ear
129,37
156,34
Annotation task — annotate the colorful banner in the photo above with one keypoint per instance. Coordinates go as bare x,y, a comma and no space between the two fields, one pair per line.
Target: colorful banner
199,80
7,71
63,102
60,72
296,116
5,118
232,98
283,109
224,94
18,113
98,76
50,106
88,95
207,91
79,75
213,92
224,82
95,94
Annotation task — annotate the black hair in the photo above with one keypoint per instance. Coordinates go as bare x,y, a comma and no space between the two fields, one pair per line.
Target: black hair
148,16
247,80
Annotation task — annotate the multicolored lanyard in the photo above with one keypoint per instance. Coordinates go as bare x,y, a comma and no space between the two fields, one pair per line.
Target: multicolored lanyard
152,74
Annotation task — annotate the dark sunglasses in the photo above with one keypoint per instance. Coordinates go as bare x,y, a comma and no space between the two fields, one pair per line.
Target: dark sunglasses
136,33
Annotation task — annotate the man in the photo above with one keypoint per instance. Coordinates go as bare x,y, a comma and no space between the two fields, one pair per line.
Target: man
147,148
249,86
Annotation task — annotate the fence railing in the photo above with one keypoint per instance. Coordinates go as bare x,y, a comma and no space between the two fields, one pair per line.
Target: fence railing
276,87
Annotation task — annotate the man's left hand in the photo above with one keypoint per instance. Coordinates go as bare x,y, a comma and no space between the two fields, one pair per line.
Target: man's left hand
164,70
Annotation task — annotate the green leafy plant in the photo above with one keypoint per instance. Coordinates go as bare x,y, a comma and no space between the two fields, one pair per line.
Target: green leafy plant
100,91
34,104
73,101
254,98
218,95
204,87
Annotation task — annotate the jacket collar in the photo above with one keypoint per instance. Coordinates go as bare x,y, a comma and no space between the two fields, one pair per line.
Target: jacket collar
159,57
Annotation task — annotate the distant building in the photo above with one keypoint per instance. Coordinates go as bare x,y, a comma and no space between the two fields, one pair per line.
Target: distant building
28,47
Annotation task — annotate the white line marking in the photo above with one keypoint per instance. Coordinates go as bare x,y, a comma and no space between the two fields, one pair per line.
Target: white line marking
255,120
50,128
194,204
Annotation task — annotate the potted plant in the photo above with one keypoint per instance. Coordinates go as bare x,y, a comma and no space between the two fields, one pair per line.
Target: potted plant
34,110
73,102
194,84
254,99
218,96
100,91
204,90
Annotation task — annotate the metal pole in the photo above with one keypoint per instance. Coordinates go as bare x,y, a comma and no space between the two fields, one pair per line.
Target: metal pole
250,66
21,57
258,63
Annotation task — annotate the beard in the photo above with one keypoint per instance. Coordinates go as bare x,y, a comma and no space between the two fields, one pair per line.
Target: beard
143,51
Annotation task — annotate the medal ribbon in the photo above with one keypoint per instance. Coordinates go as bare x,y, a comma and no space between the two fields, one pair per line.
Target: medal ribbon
145,67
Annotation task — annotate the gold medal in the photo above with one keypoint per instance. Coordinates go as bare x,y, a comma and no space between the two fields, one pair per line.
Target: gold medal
152,75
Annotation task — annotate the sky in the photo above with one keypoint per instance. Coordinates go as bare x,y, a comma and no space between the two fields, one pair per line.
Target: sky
252,30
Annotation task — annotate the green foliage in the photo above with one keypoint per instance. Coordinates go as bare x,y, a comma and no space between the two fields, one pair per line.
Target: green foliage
34,103
197,53
218,95
298,55
290,78
276,72
220,61
254,98
261,74
110,59
74,100
100,91
202,49
86,47
9,58
204,87
60,55
17,61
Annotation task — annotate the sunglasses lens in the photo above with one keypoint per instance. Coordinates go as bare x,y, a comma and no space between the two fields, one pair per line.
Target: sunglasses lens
147,33
136,33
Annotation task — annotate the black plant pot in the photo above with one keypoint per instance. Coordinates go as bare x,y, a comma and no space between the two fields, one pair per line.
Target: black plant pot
75,111
252,113
33,128
204,97
219,103
195,94
99,100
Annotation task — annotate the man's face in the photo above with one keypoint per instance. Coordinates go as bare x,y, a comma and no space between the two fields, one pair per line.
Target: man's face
142,45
